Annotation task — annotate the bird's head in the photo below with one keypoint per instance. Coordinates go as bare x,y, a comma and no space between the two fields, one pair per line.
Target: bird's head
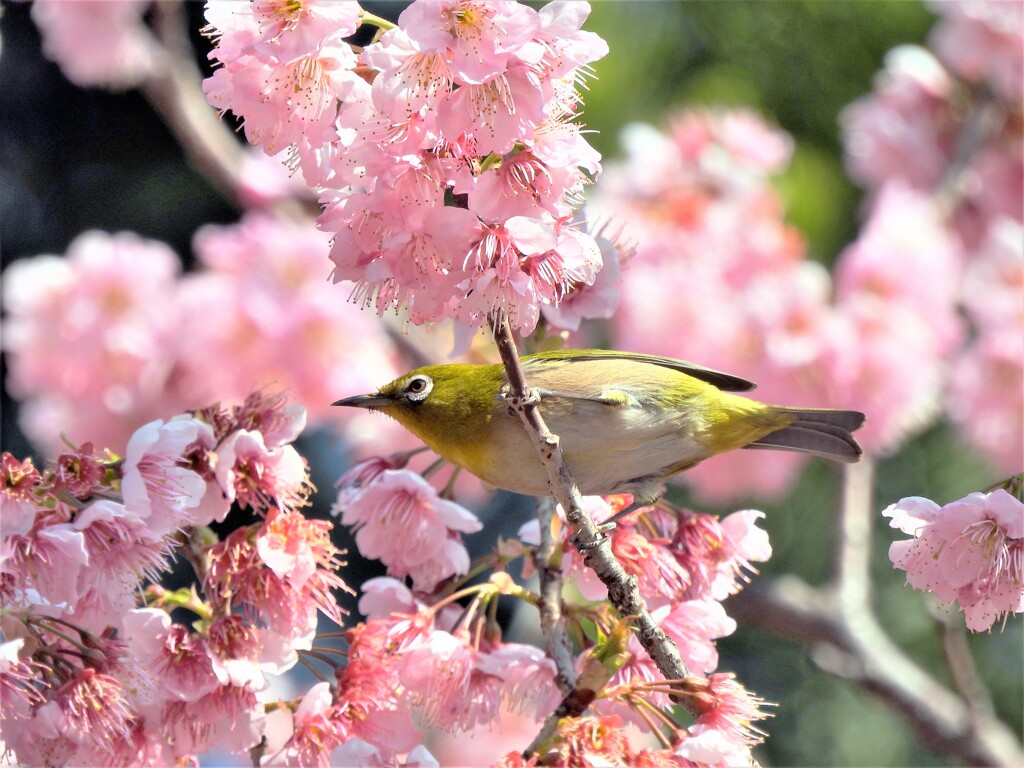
443,405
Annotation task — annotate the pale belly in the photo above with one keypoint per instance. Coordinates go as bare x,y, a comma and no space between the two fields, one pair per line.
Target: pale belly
607,450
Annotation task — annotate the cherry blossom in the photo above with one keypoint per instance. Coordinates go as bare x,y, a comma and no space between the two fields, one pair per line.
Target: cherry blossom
155,486
98,43
429,549
970,551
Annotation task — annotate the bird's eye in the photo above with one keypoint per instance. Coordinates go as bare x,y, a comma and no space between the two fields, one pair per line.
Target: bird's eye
418,388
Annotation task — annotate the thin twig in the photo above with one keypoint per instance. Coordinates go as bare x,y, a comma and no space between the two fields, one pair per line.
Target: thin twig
962,668
552,621
593,545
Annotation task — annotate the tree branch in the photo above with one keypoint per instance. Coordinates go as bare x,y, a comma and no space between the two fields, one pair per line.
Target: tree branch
592,544
176,93
838,624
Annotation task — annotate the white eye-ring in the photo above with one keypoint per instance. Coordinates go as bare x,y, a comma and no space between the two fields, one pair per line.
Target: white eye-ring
418,388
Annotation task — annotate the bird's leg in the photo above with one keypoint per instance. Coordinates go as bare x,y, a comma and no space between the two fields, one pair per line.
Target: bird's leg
609,525
638,502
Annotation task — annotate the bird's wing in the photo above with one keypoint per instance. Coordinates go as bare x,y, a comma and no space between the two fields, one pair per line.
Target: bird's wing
724,381
615,398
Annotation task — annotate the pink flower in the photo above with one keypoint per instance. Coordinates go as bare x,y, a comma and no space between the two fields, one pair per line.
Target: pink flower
556,256
370,700
566,45
409,80
898,131
598,300
178,659
897,284
98,43
743,545
231,717
305,26
444,684
237,574
982,41
258,477
702,745
263,303
384,596
89,337
244,655
18,692
427,547
155,485
695,625
726,706
121,551
593,741
987,398
496,113
987,382
277,420
18,507
293,547
283,70
81,472
527,675
971,551
463,93
716,552
49,560
312,734
479,39
660,575
94,709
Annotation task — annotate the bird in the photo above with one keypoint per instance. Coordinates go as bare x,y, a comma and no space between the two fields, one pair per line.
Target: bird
626,422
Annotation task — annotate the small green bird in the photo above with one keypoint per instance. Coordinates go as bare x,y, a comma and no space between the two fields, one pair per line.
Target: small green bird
626,421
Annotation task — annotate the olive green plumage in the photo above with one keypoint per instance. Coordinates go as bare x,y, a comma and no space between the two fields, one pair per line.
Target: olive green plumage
626,421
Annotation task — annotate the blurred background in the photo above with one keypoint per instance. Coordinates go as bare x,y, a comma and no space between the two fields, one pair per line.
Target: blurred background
73,159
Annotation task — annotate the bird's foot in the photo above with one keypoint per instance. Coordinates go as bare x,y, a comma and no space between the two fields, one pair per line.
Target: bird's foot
585,547
518,402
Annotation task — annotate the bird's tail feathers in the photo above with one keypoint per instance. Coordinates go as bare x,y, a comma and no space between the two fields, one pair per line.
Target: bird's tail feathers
819,432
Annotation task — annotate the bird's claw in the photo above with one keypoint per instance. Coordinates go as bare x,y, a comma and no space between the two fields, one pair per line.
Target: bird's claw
519,402
585,547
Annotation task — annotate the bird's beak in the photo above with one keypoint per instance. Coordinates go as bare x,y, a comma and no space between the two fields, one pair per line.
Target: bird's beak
366,401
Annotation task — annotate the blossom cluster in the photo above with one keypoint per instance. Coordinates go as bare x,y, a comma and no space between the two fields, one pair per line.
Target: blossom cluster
970,551
711,233
444,153
89,675
110,335
945,123
377,500
98,43
451,669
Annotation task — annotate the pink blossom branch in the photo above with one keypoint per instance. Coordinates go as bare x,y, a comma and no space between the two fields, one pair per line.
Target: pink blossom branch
593,545
552,622
838,624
